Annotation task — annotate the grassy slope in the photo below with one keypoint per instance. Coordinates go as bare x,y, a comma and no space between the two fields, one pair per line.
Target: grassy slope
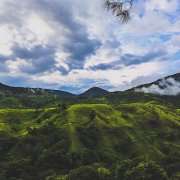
122,131
136,120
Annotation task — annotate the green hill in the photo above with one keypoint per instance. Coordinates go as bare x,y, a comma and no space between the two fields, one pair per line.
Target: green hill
98,135
84,140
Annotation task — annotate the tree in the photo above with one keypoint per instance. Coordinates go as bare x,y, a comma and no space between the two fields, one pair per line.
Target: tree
120,9
122,167
146,171
92,115
84,172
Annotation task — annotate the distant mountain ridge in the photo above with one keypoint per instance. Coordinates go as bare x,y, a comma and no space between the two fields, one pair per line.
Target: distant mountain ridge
5,89
163,85
176,77
169,85
93,92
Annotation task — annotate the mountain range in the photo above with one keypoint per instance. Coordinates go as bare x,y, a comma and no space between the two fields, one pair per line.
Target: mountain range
169,81
99,135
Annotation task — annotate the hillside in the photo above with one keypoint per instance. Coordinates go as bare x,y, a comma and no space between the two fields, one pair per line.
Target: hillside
36,144
20,97
166,90
99,135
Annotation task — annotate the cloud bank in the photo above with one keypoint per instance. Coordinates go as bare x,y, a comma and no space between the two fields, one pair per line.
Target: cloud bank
167,86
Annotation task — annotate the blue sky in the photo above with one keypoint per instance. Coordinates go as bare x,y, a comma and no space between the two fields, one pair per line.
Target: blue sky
73,45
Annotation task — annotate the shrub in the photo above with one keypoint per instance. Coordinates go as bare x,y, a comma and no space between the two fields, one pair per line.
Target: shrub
89,136
84,173
146,171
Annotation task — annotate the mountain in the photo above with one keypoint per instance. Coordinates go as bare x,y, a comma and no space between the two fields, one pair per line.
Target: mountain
169,85
51,134
60,94
4,89
93,92
163,91
176,77
20,97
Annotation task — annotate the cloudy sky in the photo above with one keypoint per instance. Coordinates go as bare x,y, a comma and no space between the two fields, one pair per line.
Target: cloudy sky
73,45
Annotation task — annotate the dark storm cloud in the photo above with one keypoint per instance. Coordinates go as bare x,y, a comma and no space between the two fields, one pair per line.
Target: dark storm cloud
3,66
102,66
40,65
130,59
63,70
106,66
3,58
79,51
41,58
36,52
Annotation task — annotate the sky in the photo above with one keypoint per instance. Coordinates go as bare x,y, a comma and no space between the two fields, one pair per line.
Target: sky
73,45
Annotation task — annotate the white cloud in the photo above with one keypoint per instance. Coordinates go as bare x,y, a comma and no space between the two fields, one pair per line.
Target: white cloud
42,22
162,5
164,87
6,39
37,26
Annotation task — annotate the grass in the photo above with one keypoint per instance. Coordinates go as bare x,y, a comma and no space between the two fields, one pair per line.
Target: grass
118,131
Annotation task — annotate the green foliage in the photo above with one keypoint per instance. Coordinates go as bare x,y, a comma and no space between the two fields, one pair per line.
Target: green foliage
95,172
124,146
62,143
92,115
89,157
146,171
122,167
82,173
89,136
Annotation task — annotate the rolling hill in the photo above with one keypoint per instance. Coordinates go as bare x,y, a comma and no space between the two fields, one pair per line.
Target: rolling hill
54,141
97,135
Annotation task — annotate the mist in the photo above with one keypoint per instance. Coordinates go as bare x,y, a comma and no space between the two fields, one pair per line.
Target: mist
167,86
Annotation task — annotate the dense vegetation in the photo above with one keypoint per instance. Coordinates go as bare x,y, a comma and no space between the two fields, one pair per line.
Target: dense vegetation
137,140
98,135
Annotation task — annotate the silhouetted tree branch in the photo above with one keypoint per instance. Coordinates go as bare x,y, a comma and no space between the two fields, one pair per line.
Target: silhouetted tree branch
119,8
